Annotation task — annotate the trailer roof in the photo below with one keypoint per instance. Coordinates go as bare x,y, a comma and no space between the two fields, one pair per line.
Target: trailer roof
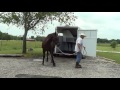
72,29
67,27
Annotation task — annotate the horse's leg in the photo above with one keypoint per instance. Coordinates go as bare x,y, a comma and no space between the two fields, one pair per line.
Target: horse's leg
43,57
47,56
52,59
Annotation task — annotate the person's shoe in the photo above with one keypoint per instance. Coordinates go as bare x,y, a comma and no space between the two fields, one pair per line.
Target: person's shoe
77,65
80,65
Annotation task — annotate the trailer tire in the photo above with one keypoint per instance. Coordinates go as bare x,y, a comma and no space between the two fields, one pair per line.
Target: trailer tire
56,55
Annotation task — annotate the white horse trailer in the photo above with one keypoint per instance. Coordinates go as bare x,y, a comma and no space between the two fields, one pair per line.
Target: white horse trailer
67,40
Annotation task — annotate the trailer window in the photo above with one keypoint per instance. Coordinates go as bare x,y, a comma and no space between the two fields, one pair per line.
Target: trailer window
60,34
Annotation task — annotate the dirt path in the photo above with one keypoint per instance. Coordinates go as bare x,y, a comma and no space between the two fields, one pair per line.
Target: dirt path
27,68
107,51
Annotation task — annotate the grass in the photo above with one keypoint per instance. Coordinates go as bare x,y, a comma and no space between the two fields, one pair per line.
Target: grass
36,53
106,47
113,56
15,47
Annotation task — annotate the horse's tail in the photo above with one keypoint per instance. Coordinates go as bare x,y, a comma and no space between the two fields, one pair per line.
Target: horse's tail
42,44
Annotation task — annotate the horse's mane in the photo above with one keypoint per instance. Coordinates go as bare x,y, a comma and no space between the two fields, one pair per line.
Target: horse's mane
49,36
52,34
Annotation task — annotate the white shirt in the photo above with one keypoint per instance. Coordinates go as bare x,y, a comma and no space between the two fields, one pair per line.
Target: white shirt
79,41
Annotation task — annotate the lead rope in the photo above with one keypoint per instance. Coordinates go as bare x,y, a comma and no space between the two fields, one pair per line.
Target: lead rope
60,50
63,52
84,52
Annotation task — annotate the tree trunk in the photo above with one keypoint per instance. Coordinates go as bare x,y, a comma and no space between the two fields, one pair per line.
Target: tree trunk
24,42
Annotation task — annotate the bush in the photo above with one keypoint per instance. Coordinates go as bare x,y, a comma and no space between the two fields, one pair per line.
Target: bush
113,44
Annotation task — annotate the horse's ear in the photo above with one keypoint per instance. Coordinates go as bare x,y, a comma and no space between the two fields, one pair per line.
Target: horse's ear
55,33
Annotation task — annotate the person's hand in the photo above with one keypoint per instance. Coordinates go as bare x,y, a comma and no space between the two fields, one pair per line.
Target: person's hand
79,50
84,47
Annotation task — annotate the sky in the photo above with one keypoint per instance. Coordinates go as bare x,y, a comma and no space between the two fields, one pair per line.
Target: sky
107,25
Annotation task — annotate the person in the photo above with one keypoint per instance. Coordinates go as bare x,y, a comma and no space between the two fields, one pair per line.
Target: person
78,49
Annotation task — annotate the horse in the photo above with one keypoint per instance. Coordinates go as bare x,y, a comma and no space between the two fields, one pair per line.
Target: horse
48,45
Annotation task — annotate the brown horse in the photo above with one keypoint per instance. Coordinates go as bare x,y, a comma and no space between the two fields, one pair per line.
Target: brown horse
48,45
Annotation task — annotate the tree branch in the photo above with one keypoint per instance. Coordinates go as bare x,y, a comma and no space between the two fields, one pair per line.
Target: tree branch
34,24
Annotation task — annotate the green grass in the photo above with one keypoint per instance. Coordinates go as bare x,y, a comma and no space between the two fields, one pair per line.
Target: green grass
37,52
15,47
106,47
113,56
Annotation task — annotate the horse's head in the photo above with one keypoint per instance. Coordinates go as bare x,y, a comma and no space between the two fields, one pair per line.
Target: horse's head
55,39
55,34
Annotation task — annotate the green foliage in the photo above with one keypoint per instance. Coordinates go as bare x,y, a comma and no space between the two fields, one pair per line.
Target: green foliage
32,37
40,38
113,44
102,40
99,40
6,36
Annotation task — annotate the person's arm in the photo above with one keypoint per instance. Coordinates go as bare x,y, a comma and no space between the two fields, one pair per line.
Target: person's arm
84,47
78,46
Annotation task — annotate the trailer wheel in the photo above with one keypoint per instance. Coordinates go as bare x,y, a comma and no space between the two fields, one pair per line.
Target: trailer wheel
56,55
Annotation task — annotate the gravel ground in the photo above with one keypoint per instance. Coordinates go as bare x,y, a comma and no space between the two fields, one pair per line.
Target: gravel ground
28,68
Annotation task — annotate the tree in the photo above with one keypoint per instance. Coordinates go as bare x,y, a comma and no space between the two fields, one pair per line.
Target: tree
32,37
40,38
0,35
30,20
118,41
113,44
